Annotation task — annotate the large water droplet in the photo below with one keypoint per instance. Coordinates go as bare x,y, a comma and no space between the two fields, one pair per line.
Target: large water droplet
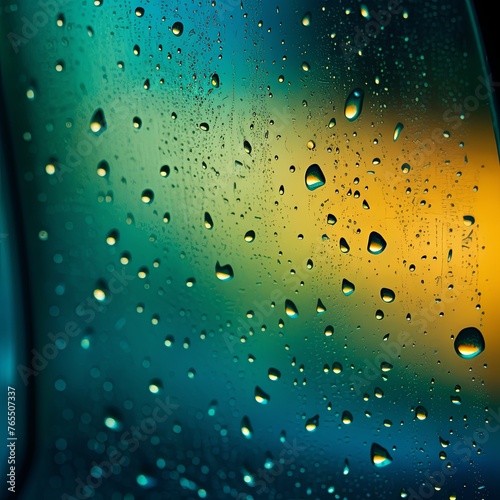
347,287
147,196
469,343
331,219
224,273
215,80
320,307
261,397
380,456
314,177
312,423
98,122
247,147
273,374
291,309
397,130
387,295
376,243
354,104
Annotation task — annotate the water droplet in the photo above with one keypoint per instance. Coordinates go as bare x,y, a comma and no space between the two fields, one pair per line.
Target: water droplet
291,309
420,413
397,130
215,80
347,417
273,374
311,145
212,408
314,177
331,219
346,467
145,481
246,428
305,66
247,147
344,246
112,237
329,331
139,11
306,20
261,397
224,273
113,422
249,236
337,367
137,122
209,223
469,220
204,126
312,423
387,295
347,287
332,123
379,314
354,104
155,386
320,307
469,343
405,167
147,196
376,243
177,28
380,456
386,366
98,122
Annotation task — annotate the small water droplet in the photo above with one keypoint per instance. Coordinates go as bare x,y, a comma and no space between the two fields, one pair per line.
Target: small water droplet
224,273
348,288
347,417
379,314
332,123
386,366
376,243
261,397
273,374
98,122
306,20
420,413
204,126
380,456
311,145
387,295
312,423
250,236
469,343
320,307
344,246
147,196
177,28
397,130
112,237
354,104
314,177
291,309
331,219
139,11
305,66
247,147
469,220
329,331
246,428
405,167
215,80
209,223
